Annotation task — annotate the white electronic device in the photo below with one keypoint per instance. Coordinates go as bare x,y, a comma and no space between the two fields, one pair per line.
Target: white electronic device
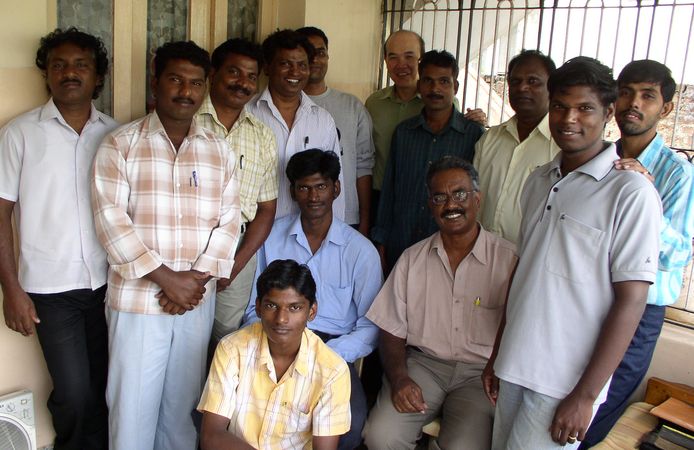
17,429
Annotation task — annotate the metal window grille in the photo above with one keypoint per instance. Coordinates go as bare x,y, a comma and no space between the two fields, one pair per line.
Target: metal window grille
485,34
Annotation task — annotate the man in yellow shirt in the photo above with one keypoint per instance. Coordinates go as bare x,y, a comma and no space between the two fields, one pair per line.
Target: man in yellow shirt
275,384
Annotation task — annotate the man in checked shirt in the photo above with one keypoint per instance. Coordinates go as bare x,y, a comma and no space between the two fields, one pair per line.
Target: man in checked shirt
166,209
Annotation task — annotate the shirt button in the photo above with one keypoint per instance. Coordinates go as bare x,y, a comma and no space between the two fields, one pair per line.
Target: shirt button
456,328
180,245
180,216
556,189
178,184
549,207
434,140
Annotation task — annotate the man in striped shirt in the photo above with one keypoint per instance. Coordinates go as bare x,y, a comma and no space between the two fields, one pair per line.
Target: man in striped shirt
645,96
166,209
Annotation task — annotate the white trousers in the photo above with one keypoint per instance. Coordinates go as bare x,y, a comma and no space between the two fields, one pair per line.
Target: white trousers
155,376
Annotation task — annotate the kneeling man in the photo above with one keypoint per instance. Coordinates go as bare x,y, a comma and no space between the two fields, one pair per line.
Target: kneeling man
438,313
275,384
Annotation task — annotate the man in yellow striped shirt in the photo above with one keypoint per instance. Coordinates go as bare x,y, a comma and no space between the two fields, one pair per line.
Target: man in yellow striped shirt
275,384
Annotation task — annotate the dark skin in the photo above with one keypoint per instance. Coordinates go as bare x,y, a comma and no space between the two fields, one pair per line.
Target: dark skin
315,195
71,78
287,65
459,231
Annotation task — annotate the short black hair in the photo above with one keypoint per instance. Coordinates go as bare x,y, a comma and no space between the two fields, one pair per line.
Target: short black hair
313,31
649,71
439,58
419,38
585,71
312,161
288,40
237,46
526,55
81,39
453,162
283,274
185,50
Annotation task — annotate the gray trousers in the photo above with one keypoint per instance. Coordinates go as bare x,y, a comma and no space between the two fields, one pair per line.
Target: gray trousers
452,390
231,303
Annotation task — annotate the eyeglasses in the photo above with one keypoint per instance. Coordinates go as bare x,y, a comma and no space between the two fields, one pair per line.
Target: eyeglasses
457,196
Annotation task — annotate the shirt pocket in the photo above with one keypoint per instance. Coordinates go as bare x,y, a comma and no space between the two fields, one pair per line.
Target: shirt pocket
484,324
574,249
296,420
334,301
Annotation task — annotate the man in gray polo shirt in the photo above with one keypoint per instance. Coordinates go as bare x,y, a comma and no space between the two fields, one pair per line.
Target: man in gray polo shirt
588,253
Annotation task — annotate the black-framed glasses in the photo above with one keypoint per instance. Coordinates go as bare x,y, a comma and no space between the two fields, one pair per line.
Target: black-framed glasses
457,196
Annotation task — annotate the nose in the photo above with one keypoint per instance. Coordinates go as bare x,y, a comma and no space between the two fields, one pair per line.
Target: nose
313,194
282,316
185,89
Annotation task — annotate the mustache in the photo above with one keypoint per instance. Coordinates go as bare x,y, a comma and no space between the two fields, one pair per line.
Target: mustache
453,211
70,80
634,112
435,96
239,88
183,100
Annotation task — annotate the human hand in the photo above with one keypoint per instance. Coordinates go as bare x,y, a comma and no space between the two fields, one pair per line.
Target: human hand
20,313
476,115
571,419
633,165
490,382
170,307
185,288
223,283
407,396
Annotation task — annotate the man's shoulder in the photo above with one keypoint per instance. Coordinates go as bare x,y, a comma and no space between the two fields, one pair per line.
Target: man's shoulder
676,165
26,119
345,98
419,250
379,95
498,242
245,338
137,126
356,240
280,227
328,363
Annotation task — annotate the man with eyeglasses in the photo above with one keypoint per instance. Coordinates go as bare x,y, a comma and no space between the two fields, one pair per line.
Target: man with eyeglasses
438,312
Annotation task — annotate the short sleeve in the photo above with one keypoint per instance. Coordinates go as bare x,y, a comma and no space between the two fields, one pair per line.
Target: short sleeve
219,395
331,416
11,154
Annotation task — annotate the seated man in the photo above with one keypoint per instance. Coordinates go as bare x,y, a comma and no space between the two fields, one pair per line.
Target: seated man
345,264
275,384
438,313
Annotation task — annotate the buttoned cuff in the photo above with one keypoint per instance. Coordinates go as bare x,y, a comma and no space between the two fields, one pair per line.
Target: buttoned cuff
137,269
218,268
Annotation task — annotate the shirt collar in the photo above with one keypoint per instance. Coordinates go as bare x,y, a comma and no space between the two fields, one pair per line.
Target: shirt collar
598,167
388,93
456,121
334,235
511,126
649,155
479,250
300,363
154,126
50,111
306,102
207,108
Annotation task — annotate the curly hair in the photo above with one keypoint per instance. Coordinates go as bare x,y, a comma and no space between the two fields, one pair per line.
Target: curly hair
82,40
185,50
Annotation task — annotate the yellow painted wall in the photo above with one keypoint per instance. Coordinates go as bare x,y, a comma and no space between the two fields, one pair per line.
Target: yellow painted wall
22,23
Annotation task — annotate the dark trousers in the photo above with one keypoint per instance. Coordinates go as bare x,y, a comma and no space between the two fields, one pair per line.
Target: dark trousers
357,405
628,375
74,340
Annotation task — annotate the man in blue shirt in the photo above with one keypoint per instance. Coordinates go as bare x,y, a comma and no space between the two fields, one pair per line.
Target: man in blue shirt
344,263
645,96
438,131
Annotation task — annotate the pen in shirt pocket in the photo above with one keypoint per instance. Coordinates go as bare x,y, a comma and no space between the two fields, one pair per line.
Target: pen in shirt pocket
195,178
477,301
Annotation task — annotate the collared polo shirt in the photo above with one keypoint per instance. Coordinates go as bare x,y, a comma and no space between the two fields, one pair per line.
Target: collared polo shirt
254,146
504,163
354,130
347,271
313,128
311,398
581,233
155,204
387,111
45,168
673,180
403,216
452,316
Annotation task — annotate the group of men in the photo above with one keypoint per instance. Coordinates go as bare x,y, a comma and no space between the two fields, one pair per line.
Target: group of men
224,207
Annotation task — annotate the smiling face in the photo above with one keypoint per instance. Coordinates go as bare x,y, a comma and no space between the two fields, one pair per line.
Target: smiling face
402,56
288,72
527,88
639,107
577,119
71,75
454,216
179,90
315,195
438,87
235,82
284,314
319,65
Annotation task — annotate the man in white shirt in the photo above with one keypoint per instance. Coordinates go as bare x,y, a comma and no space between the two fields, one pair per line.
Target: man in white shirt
353,129
45,160
507,153
298,123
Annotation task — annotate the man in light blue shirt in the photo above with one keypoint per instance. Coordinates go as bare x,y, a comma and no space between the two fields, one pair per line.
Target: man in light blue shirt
344,263
645,96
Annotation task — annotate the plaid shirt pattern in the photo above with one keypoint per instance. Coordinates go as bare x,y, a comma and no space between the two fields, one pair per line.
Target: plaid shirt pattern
154,205
256,151
311,399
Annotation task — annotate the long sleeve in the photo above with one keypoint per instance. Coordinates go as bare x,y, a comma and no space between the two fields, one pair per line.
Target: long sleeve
365,144
677,226
384,217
